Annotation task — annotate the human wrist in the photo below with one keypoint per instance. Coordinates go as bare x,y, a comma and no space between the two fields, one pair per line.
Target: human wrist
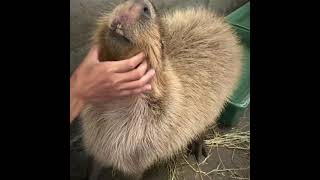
77,103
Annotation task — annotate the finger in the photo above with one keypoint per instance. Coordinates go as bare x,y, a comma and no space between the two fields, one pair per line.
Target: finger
94,51
92,55
135,91
138,83
133,75
125,65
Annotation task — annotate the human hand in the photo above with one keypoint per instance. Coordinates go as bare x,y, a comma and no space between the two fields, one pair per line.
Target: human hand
99,82
96,81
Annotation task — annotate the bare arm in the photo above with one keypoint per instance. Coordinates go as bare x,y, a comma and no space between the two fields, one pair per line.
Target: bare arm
76,105
96,81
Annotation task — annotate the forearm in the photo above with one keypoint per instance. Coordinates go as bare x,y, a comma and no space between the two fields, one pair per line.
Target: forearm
76,104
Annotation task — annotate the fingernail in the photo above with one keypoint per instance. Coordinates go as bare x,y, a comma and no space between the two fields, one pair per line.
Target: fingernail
142,55
148,87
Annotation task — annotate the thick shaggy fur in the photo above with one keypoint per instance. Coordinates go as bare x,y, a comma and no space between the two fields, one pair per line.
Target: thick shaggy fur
197,60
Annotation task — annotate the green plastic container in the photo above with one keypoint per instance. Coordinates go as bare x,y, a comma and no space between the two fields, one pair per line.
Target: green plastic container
240,20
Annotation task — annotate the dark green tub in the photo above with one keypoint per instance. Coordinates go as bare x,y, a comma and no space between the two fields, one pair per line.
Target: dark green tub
240,20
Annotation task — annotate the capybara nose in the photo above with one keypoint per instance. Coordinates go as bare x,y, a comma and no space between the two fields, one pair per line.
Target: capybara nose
139,8
131,15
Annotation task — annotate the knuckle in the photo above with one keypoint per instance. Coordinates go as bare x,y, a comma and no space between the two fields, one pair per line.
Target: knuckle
139,74
109,68
131,64
118,88
113,81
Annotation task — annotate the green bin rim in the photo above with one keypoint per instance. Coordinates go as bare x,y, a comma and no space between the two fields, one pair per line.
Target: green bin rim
245,98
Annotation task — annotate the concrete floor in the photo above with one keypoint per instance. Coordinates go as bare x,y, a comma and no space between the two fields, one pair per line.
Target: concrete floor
83,14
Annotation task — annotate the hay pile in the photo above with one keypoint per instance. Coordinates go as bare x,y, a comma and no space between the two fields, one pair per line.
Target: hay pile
235,140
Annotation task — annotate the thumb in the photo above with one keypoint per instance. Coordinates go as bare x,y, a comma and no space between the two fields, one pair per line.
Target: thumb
92,56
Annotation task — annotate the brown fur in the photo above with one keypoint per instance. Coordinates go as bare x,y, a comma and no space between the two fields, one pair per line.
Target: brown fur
196,71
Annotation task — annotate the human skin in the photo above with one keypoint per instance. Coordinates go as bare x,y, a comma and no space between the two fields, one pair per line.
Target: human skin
96,82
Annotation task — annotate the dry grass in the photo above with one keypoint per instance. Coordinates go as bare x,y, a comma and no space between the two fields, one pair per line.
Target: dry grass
235,140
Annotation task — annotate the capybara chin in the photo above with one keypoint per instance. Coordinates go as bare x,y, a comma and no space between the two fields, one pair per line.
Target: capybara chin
197,59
